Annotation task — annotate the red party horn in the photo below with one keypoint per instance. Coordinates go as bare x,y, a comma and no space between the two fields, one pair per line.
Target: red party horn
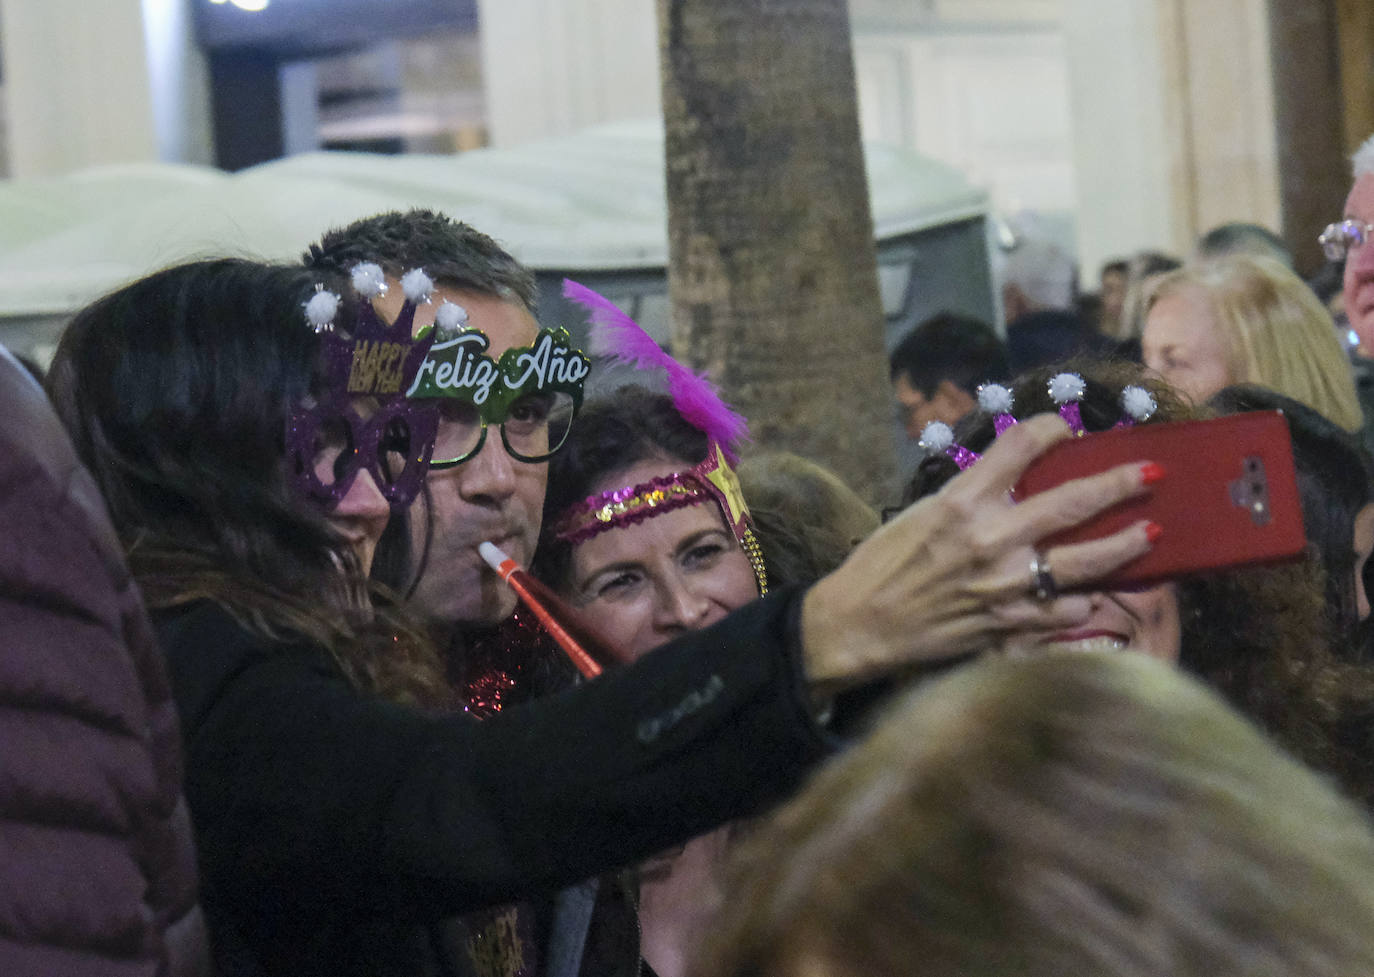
590,652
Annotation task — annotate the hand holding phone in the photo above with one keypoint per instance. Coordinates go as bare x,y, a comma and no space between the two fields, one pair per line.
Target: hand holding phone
1229,498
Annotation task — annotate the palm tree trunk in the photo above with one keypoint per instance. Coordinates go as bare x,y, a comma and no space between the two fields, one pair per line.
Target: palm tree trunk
772,268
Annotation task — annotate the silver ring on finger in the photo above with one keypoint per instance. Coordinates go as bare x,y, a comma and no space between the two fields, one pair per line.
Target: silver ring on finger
1042,581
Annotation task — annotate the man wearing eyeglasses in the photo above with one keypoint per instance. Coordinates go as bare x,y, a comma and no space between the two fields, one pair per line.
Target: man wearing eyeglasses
477,495
1348,241
486,482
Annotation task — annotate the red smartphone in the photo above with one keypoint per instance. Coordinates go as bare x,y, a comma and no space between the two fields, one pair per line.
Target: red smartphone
1229,496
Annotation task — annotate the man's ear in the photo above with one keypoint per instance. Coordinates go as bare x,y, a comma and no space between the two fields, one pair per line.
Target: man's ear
954,401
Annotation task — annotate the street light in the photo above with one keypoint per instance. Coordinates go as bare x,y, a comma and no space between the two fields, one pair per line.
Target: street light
252,6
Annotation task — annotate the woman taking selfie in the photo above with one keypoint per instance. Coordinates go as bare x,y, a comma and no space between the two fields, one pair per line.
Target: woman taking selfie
343,816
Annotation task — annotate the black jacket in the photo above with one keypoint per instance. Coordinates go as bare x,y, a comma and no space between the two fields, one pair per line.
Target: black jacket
338,832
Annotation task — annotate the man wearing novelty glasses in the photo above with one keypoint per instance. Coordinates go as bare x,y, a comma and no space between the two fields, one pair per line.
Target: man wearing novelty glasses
487,477
507,393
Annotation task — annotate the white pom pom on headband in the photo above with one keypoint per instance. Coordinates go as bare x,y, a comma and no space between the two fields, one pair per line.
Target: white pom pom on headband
1138,403
451,317
997,400
1065,389
369,280
417,285
321,309
936,437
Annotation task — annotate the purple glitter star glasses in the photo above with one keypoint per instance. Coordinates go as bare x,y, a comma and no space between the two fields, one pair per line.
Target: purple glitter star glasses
363,422
327,449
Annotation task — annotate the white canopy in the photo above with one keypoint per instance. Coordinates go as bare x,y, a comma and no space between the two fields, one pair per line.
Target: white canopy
594,201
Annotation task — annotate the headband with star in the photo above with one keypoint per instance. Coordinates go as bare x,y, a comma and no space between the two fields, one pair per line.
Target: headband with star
616,335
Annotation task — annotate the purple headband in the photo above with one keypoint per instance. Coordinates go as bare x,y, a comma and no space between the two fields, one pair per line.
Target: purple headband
1065,389
696,399
618,508
713,479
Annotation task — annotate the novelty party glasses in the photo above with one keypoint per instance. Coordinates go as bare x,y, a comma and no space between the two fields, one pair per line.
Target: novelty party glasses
327,449
533,427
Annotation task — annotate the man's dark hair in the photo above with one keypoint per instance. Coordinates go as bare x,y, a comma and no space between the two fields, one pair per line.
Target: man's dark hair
1240,237
963,350
451,252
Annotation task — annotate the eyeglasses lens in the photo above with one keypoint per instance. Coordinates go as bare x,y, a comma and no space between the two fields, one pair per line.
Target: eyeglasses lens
1338,239
537,425
394,452
460,431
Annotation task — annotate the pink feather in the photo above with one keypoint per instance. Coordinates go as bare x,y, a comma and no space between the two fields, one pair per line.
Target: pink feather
615,334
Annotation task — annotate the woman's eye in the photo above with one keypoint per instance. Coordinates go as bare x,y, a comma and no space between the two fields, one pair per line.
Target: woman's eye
614,586
704,553
332,450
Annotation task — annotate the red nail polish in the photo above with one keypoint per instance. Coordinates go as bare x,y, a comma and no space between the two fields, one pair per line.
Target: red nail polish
1153,531
1151,472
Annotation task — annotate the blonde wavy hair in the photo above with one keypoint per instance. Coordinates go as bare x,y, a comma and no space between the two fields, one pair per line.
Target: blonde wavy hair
1276,331
1092,814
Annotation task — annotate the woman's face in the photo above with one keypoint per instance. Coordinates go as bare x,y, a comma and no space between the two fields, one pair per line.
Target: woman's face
360,517
1144,621
362,513
1183,343
643,584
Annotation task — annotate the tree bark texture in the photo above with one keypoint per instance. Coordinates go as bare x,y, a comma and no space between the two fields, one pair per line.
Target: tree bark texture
772,267
1309,123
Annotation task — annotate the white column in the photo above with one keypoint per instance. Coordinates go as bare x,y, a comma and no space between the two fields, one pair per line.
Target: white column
1174,122
179,83
81,78
1228,80
553,66
1127,154
300,107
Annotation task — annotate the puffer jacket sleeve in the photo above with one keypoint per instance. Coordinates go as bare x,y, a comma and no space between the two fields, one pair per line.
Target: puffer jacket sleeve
97,867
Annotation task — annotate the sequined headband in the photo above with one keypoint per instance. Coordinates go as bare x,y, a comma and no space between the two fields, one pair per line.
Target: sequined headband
712,479
618,508
1065,389
695,398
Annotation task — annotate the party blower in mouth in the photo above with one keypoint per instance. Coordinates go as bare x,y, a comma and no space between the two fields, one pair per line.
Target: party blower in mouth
590,652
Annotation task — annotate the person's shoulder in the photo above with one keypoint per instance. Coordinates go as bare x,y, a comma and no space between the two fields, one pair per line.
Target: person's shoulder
203,621
209,631
207,649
